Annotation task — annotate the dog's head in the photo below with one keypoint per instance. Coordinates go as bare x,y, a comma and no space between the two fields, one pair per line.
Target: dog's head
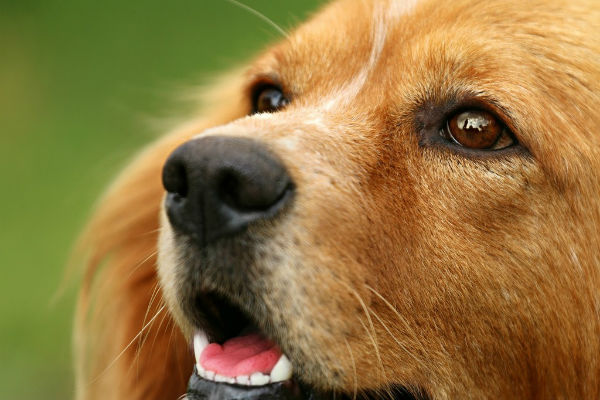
408,197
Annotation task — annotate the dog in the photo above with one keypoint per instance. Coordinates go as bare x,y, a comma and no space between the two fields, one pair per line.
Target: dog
398,199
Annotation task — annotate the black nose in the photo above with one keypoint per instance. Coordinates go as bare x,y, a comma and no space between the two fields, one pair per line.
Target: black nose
218,185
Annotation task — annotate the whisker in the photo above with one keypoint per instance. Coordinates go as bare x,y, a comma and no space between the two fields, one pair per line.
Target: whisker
142,339
113,362
372,336
155,291
142,262
353,369
153,231
259,15
162,321
400,317
397,341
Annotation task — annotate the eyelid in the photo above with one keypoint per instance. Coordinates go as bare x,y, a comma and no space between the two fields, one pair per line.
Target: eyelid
260,81
431,117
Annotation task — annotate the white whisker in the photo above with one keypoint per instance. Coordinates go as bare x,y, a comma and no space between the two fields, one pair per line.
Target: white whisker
113,362
353,369
400,317
259,15
371,333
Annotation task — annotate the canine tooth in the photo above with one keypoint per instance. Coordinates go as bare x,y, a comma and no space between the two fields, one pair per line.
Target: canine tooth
200,343
210,375
258,379
282,371
243,380
221,378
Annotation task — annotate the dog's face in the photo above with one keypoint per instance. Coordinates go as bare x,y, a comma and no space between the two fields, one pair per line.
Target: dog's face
408,197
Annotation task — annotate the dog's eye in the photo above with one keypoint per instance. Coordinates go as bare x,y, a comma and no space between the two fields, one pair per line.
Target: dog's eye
269,99
477,129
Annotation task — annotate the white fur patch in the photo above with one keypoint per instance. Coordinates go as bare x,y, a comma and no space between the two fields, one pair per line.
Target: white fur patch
383,14
398,8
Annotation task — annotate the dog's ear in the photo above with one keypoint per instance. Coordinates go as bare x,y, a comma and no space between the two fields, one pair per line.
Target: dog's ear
119,295
126,345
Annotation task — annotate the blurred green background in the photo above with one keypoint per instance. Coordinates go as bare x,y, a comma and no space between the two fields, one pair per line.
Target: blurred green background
82,86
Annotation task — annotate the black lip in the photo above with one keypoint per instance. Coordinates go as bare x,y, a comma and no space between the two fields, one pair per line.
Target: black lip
202,389
293,389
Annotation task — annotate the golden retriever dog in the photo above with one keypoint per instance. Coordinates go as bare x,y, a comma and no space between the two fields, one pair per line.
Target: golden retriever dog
400,199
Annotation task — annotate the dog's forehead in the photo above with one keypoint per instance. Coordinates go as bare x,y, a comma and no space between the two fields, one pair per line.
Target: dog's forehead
350,40
344,43
353,46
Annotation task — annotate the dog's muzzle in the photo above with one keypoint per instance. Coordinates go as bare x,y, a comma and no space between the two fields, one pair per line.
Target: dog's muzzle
218,186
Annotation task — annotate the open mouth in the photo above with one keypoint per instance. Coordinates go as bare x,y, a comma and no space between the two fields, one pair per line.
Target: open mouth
249,360
229,347
236,360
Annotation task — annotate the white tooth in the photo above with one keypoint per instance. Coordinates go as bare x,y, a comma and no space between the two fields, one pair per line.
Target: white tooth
243,380
282,371
258,379
231,380
210,375
200,343
199,368
221,378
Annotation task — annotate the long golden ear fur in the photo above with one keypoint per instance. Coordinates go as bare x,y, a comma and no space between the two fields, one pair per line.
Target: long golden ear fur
126,344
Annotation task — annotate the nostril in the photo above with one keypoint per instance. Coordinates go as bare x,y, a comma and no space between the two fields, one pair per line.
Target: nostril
228,189
175,179
246,191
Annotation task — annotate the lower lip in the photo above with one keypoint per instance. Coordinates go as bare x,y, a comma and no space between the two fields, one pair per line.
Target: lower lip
202,389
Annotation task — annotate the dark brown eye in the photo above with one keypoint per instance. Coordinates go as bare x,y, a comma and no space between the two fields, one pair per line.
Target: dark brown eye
478,129
269,99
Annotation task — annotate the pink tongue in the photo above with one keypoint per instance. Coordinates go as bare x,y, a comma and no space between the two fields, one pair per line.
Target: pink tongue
243,355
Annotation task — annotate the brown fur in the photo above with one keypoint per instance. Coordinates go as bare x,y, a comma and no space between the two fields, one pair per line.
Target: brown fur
404,263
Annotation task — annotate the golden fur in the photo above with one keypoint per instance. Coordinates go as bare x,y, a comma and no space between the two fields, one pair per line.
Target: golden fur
465,277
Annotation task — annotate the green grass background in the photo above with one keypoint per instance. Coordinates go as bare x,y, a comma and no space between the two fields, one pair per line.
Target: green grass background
82,84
